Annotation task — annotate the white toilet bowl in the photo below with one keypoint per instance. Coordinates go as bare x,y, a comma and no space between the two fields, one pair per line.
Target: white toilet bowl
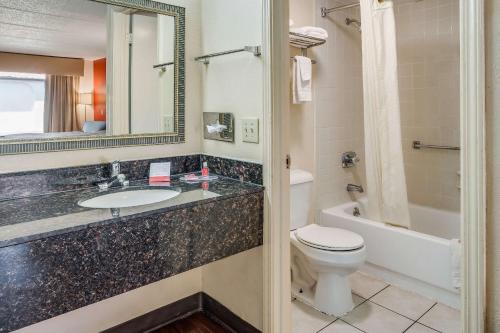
322,257
332,254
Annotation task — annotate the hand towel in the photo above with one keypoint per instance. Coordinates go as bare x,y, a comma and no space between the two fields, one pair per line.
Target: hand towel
311,31
301,80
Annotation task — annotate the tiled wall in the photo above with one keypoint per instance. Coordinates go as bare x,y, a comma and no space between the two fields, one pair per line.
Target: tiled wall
428,57
302,134
429,86
338,107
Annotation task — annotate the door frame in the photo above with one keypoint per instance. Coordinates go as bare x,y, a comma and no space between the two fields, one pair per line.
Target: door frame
473,164
277,316
277,297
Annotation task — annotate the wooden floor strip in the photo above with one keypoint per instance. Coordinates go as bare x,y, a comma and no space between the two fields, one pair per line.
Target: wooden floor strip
196,323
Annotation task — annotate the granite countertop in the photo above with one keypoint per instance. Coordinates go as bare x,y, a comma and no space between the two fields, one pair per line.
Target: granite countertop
26,219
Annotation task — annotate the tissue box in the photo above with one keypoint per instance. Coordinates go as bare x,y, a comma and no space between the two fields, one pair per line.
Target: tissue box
159,172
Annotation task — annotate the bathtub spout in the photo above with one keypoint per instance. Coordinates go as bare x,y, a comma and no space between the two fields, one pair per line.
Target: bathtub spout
356,212
354,188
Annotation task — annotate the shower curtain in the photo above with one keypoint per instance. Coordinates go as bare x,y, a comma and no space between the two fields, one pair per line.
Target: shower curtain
386,183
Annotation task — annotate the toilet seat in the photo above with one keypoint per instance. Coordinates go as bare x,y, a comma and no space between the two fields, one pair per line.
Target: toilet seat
329,239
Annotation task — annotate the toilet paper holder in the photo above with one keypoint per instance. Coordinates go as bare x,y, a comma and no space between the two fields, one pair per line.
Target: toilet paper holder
218,126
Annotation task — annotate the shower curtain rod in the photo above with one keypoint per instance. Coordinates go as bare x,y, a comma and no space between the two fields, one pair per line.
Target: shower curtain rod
325,11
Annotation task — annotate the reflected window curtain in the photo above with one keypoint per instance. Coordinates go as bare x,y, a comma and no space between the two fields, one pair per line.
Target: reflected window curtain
61,99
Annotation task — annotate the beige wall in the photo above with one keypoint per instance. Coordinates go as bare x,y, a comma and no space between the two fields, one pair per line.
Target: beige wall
237,282
429,85
493,165
26,63
86,112
87,80
233,83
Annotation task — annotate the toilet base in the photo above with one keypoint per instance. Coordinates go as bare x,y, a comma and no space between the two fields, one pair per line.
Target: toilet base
332,297
333,294
305,296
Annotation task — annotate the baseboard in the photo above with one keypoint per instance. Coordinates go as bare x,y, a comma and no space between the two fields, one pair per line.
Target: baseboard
199,302
222,315
440,295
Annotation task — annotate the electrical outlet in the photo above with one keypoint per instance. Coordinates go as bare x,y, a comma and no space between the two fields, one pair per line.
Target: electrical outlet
250,130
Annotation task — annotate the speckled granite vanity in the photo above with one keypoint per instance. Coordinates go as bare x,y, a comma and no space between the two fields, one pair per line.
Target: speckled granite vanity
57,256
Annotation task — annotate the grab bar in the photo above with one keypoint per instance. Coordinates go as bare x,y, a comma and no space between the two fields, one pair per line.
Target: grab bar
420,145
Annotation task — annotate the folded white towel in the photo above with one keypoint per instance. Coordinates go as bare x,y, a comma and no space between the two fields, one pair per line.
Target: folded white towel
311,31
456,255
301,80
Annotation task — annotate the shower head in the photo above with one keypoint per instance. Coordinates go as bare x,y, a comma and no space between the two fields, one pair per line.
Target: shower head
356,23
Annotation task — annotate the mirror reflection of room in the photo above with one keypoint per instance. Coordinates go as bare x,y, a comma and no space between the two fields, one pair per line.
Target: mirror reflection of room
69,69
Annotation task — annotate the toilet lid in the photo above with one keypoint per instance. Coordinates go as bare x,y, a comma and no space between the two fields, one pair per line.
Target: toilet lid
331,239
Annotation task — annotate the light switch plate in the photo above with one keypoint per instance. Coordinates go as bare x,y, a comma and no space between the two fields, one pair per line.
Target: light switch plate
250,130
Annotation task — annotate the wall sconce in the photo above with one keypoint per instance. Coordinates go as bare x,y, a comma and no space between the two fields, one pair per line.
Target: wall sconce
85,99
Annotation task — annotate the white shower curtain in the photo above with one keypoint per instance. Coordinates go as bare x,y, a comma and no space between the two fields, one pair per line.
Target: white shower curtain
386,183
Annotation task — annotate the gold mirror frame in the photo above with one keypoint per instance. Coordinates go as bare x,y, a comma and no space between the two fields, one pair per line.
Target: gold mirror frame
20,146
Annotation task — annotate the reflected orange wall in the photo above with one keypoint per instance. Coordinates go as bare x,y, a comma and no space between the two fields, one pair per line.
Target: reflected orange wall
100,89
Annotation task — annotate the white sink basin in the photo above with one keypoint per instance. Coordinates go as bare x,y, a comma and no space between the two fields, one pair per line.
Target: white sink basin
125,199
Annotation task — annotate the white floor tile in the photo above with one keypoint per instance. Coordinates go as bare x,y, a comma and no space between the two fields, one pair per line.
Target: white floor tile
340,327
442,318
364,285
417,328
305,319
403,302
372,318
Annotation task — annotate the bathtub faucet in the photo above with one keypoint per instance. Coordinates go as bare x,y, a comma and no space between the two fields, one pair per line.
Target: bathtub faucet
354,188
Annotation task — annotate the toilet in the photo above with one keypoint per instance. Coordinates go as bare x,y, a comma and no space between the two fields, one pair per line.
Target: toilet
321,257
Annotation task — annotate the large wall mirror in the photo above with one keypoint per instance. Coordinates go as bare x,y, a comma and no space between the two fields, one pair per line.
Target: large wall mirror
83,74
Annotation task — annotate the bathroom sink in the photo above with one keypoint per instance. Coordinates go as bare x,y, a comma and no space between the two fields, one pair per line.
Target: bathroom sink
130,198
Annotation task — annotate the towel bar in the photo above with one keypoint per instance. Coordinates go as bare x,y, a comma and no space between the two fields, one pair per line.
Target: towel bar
256,50
420,145
312,60
164,64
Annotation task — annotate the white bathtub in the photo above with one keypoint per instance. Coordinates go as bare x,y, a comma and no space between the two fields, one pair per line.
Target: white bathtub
419,259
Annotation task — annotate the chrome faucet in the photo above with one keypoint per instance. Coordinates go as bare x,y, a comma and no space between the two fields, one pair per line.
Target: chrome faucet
349,159
115,168
354,188
115,178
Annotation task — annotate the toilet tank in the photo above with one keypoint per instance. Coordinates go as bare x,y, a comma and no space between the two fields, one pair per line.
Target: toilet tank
300,197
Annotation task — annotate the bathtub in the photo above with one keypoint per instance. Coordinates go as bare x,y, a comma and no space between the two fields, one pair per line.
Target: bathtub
419,260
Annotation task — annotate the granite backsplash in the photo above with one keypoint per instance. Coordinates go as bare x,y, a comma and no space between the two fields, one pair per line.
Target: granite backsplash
30,183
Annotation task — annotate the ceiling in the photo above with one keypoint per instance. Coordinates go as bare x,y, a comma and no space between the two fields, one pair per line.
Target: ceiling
63,28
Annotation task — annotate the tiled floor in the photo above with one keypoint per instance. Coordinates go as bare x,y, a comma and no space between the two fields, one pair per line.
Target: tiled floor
380,308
